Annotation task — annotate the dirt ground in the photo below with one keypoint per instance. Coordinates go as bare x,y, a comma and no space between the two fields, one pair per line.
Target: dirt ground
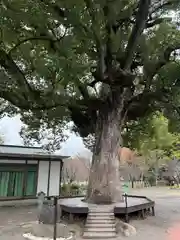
162,226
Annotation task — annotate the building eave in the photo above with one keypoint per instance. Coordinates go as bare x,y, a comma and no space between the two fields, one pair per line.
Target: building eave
39,157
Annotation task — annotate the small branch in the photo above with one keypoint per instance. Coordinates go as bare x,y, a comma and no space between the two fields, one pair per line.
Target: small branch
91,9
155,22
139,26
125,19
28,40
161,5
83,90
37,38
98,78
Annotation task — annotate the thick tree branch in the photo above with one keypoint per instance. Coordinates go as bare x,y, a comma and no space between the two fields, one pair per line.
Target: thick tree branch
42,102
99,46
161,5
16,99
139,26
14,71
120,78
108,27
163,60
166,56
135,107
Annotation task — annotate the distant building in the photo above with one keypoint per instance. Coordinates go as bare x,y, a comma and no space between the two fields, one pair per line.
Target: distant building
25,171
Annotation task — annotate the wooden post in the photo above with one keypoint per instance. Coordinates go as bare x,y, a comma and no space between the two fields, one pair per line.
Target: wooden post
153,211
60,176
25,178
55,218
71,218
126,209
143,214
49,171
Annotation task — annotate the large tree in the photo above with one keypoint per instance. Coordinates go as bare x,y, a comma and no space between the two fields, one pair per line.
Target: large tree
97,63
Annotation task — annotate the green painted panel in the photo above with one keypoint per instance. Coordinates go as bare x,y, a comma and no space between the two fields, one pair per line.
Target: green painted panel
4,181
31,184
16,186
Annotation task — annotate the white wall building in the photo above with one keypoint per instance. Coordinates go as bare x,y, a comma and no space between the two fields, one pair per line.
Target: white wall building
25,171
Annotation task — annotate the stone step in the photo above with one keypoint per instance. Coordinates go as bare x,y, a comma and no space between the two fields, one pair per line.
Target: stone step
101,217
100,214
99,235
96,229
99,210
100,221
100,225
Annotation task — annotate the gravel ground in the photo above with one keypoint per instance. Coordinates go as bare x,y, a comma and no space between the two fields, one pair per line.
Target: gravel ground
159,227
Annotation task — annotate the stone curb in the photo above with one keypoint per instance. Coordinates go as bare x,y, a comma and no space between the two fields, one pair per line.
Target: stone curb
17,204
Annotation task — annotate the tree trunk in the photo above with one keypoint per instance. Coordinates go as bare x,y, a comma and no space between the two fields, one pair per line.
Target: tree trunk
104,180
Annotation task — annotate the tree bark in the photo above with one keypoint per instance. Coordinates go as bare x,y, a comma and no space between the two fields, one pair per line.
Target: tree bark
104,180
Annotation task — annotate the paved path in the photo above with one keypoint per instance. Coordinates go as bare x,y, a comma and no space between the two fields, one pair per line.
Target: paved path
152,228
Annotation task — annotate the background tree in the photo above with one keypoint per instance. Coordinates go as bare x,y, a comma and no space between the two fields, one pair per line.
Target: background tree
50,139
171,172
98,63
153,142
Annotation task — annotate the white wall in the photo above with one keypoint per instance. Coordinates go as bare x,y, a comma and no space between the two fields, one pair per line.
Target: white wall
54,178
43,176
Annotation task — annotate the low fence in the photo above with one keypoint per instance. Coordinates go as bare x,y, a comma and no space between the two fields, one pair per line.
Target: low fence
81,191
142,184
136,184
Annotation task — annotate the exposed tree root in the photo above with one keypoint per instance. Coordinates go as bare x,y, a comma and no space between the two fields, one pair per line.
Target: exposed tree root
125,228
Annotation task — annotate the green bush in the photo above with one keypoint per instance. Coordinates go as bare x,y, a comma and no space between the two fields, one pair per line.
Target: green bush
64,188
70,189
152,180
75,186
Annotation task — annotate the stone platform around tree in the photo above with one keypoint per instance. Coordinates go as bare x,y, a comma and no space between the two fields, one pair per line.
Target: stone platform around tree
74,206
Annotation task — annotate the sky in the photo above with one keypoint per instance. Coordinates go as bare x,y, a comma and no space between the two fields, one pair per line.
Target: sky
10,127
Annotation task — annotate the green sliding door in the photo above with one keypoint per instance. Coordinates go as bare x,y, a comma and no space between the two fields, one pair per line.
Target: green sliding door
16,184
4,182
31,183
18,180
